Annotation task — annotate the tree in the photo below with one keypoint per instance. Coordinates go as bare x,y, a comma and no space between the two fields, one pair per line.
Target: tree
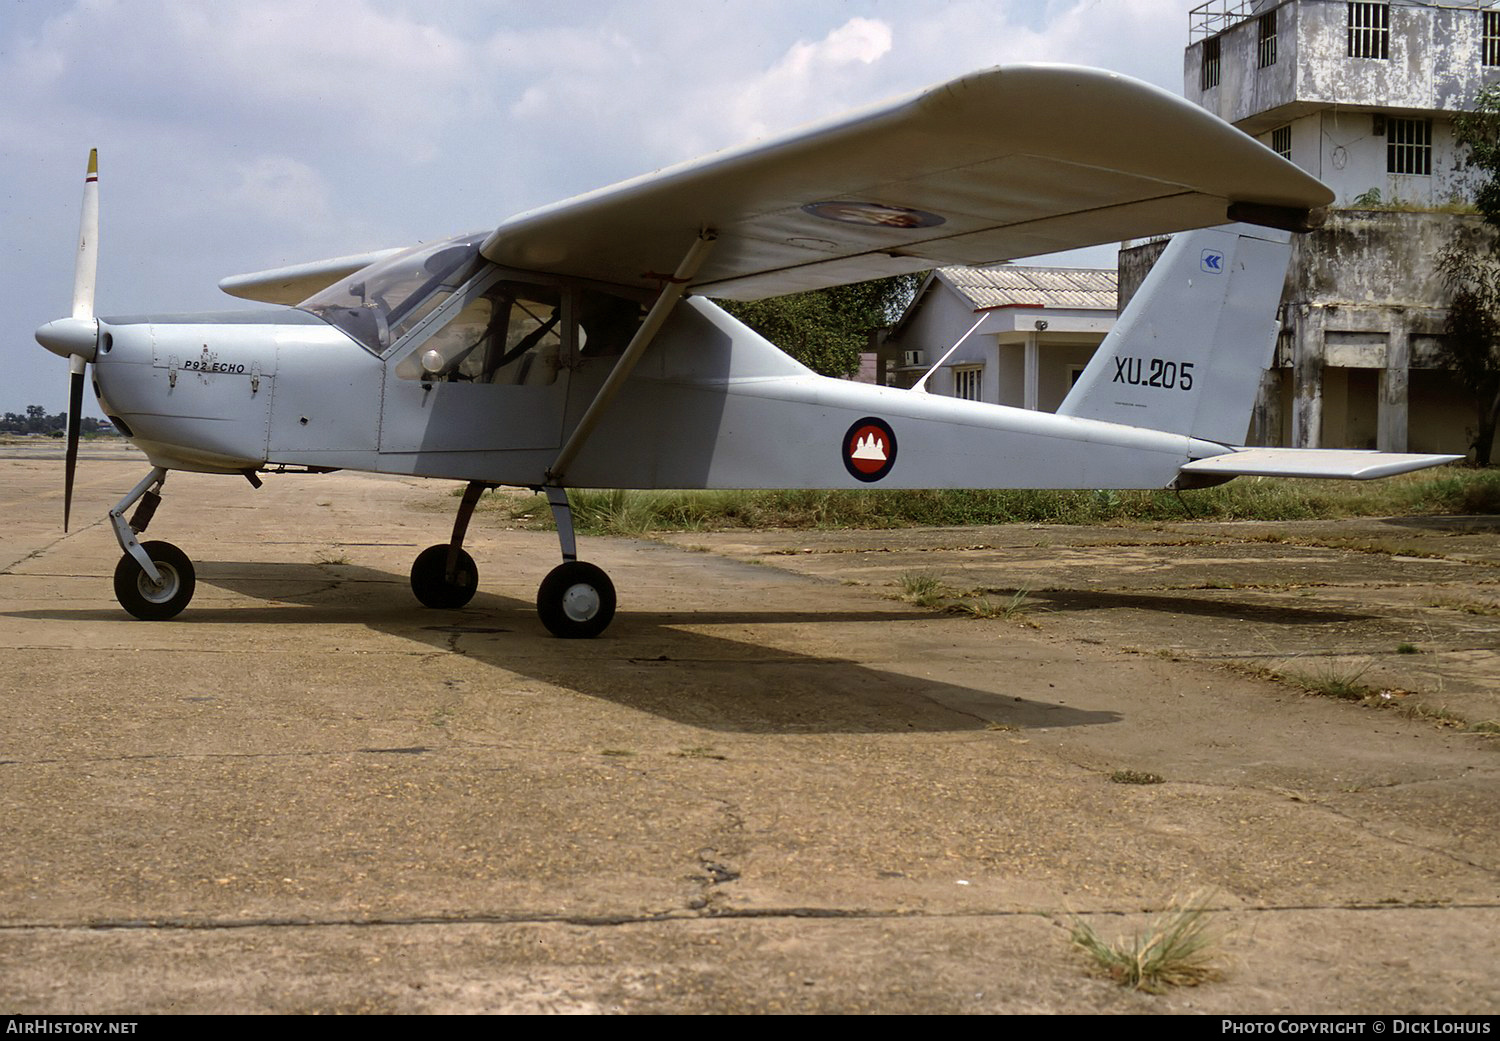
1471,345
1470,348
827,329
1479,130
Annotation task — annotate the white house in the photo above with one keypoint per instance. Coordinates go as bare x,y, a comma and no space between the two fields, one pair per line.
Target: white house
1036,329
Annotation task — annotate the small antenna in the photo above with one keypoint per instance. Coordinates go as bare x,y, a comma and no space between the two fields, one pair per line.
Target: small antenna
921,384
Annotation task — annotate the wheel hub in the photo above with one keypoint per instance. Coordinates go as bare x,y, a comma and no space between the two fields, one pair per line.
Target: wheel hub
580,602
158,593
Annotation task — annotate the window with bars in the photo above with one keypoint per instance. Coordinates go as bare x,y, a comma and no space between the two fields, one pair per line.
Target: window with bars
1266,40
1210,75
966,382
1281,141
1369,30
1491,38
1408,146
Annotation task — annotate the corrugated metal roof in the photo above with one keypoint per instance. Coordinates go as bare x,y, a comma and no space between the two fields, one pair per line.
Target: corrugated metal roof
1009,285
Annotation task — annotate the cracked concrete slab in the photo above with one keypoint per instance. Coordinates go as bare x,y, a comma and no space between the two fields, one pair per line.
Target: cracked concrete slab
769,787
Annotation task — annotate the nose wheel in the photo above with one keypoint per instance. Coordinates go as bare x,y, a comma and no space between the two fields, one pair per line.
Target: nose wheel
155,600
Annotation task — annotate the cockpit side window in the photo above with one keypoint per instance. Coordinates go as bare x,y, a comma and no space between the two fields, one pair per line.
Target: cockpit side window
606,323
511,333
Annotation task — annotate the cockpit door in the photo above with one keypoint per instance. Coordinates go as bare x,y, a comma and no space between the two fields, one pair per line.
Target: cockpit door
486,371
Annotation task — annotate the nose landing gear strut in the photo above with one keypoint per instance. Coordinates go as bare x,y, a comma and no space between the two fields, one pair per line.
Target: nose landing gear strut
153,580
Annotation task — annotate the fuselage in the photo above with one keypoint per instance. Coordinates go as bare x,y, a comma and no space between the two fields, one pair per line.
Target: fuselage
712,405
438,363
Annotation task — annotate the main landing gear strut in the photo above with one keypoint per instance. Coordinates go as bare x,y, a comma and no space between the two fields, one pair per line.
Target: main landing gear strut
575,601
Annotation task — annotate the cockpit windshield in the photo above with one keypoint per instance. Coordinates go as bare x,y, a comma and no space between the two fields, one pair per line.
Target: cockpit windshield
378,304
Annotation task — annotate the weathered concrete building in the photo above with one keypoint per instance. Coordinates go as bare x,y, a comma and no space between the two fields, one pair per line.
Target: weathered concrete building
1359,94
1362,95
1036,329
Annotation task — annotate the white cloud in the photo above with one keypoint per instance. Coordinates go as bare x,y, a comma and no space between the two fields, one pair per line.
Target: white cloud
279,188
811,79
339,70
238,134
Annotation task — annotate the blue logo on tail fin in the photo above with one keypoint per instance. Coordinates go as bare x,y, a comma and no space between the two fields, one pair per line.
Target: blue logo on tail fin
1212,261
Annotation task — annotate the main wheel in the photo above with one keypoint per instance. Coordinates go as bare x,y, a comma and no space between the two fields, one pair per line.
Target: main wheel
144,598
431,585
576,600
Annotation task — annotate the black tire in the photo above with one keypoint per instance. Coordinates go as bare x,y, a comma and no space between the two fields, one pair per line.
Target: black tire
576,601
433,589
146,600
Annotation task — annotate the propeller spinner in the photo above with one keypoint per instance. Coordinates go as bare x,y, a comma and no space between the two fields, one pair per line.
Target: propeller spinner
77,336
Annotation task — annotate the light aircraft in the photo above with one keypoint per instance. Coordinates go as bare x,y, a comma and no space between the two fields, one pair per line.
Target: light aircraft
575,345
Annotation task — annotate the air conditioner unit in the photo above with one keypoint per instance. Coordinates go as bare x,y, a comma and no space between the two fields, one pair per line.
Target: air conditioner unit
911,359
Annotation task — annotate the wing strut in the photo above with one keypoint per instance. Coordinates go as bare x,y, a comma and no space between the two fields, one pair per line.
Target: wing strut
671,292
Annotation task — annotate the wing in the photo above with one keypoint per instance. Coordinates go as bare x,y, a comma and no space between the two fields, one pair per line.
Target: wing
1011,162
292,285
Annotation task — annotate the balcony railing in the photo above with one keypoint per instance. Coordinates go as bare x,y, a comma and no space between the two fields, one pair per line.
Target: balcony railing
1216,16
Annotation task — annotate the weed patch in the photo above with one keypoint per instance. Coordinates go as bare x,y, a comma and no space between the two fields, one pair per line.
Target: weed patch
1445,490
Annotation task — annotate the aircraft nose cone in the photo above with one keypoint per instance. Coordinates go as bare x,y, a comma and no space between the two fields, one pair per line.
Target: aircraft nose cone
70,337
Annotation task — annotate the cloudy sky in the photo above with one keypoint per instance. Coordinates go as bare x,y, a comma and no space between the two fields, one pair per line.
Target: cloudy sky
236,136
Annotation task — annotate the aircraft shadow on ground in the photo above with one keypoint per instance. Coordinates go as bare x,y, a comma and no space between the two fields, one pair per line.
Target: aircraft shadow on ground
1236,609
644,661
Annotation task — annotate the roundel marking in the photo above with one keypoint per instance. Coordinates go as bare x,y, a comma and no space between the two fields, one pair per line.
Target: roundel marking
876,214
869,449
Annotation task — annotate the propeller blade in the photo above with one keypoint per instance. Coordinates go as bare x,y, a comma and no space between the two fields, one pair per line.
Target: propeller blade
75,424
85,268
87,263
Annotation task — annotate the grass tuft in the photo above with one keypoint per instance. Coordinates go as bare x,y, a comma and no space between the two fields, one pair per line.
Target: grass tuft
1175,949
1011,609
1333,680
1136,777
922,588
1476,607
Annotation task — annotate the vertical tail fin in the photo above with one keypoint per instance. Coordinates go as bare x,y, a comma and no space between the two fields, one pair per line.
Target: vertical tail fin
1188,353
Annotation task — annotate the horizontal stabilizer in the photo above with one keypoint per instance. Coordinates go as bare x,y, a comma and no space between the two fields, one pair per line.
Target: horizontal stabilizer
1345,464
